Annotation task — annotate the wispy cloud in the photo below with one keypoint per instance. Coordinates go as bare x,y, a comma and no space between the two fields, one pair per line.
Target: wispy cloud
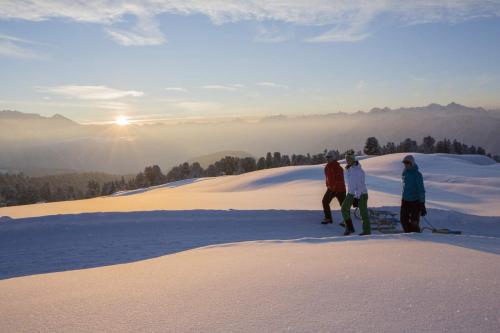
346,21
231,87
360,85
177,89
273,34
112,105
269,84
90,92
14,47
339,34
145,32
199,106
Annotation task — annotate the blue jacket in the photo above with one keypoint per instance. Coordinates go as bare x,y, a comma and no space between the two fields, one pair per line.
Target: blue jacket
413,185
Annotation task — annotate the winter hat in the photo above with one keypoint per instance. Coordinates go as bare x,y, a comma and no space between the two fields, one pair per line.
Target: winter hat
349,156
332,154
409,158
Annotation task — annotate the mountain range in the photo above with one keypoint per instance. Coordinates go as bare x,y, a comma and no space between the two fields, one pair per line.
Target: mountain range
30,142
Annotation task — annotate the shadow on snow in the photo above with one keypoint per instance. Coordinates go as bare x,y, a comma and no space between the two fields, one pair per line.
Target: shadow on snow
67,242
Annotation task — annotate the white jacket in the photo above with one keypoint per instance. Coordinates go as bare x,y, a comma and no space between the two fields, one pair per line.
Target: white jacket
356,184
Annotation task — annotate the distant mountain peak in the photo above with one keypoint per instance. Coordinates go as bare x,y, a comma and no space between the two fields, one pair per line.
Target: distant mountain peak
379,110
432,107
17,115
59,117
13,114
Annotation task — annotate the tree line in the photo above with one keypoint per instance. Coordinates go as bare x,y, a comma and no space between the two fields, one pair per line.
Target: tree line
19,189
429,145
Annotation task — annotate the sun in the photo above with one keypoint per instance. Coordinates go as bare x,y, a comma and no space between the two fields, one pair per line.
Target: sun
122,121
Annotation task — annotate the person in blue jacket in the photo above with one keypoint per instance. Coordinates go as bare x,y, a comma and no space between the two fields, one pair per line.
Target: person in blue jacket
413,201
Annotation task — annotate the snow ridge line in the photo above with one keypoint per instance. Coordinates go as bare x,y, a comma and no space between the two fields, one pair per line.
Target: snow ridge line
400,236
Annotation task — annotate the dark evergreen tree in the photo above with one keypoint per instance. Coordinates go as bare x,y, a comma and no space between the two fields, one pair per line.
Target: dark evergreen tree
372,146
456,147
408,146
247,164
285,160
276,159
389,148
154,176
269,160
428,145
93,190
261,163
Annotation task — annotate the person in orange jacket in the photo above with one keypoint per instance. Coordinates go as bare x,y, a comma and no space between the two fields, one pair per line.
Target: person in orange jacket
335,185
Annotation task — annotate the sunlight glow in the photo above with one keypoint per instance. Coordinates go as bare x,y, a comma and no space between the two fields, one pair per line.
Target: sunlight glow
122,121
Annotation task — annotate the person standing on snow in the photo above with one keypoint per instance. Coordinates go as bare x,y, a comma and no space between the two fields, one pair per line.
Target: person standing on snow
413,197
357,195
335,185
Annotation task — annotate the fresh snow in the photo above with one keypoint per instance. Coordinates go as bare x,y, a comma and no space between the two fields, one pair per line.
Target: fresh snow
247,253
468,184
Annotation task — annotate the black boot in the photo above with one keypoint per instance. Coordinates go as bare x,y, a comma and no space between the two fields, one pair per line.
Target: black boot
326,221
365,233
349,228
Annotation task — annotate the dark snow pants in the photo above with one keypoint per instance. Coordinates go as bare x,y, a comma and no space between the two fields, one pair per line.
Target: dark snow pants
410,216
327,198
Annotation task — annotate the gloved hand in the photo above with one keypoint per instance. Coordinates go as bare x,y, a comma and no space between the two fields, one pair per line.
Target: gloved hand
355,202
423,211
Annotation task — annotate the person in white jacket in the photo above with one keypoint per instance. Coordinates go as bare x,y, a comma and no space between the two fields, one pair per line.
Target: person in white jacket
357,195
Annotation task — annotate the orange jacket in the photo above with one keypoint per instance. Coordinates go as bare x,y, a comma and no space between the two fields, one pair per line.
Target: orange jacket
334,176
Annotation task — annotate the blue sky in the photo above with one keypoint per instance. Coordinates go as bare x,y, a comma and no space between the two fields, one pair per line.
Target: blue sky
93,61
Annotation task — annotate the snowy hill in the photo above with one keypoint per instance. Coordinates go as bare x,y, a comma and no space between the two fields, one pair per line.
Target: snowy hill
465,183
246,253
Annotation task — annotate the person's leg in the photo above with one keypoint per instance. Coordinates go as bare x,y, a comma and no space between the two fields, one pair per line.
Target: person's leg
414,220
340,197
327,198
404,216
346,207
363,209
346,214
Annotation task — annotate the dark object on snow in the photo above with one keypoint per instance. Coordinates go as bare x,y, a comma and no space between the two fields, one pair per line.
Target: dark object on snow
326,221
384,221
365,233
440,231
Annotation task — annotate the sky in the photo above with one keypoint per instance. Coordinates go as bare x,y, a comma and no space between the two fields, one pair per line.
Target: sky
92,61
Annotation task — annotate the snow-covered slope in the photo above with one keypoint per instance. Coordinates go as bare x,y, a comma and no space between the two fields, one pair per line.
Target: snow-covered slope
385,284
468,184
247,254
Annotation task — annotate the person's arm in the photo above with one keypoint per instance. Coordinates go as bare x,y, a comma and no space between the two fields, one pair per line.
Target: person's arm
420,188
421,194
358,183
361,183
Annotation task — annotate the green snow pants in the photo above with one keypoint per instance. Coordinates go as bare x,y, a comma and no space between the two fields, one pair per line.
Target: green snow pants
363,209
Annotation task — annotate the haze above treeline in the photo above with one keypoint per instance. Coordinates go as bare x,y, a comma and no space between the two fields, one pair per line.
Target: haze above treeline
44,145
